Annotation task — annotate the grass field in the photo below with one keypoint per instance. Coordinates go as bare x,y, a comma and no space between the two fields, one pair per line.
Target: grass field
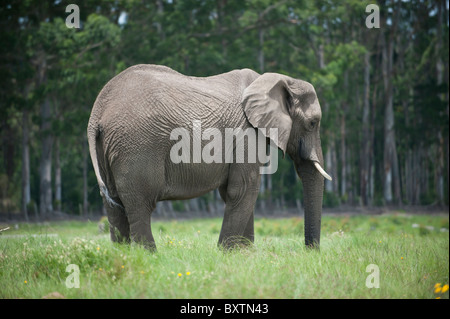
410,254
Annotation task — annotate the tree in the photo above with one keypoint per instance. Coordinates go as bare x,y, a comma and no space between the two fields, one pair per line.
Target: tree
391,169
383,92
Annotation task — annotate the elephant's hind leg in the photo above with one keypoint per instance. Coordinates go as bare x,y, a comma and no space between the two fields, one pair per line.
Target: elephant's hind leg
139,217
119,227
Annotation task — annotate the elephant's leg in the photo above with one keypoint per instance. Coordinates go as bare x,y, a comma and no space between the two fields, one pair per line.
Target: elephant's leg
119,227
141,232
242,192
139,216
223,192
249,231
138,191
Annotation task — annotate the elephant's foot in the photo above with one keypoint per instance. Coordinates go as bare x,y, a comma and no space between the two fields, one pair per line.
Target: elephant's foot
229,241
150,246
233,242
141,232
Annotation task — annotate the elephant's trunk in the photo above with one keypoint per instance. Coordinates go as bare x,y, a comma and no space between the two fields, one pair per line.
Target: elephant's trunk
313,183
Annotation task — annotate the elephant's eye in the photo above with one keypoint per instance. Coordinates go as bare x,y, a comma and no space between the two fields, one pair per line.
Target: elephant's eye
312,124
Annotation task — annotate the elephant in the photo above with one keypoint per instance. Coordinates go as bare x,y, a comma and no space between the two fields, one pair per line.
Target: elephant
130,144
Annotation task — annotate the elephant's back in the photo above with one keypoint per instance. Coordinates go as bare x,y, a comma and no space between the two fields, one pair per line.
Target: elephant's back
162,84
140,107
153,93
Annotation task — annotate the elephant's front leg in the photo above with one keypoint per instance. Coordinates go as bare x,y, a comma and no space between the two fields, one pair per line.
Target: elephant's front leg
241,194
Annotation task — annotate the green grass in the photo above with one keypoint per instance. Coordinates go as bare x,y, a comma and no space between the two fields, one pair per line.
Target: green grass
188,264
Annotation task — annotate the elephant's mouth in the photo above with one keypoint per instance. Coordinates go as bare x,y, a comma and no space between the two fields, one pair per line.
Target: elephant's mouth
322,171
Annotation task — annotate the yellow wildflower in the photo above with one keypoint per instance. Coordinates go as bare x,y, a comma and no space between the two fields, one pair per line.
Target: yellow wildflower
188,273
437,288
179,275
444,289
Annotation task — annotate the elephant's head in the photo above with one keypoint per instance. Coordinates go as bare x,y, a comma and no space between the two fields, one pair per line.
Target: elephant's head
278,101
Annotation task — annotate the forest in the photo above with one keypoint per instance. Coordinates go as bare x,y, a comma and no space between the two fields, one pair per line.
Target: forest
381,75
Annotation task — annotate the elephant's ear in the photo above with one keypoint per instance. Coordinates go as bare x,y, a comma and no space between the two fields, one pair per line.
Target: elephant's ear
265,103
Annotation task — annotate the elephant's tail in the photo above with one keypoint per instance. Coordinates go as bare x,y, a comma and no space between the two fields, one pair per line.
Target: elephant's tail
92,135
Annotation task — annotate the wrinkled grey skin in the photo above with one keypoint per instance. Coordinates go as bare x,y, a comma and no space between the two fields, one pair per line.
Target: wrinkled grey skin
129,144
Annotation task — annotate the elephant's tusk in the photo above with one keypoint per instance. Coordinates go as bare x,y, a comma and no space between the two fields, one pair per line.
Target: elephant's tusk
321,171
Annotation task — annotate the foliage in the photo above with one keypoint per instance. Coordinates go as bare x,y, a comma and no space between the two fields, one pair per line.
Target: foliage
323,42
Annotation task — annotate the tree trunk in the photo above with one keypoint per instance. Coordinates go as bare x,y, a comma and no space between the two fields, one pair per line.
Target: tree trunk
343,147
194,203
446,79
417,173
330,186
439,171
26,194
334,166
374,164
343,154
160,13
58,194
365,159
85,178
350,182
321,55
391,174
220,23
261,49
45,167
409,174
8,150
